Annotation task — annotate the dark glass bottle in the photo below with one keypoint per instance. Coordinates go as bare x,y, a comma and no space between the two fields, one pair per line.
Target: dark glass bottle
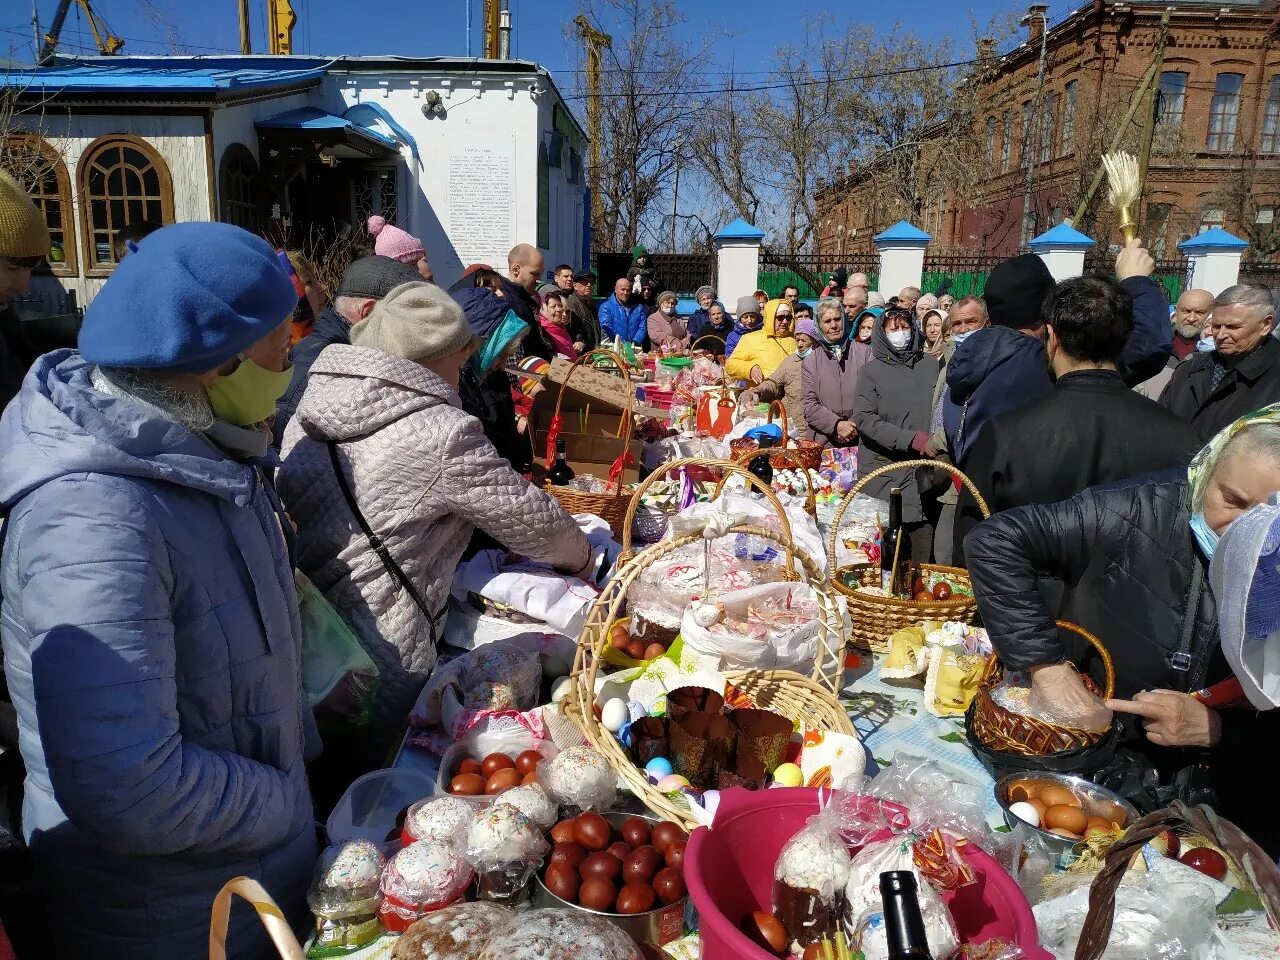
561,473
895,578
903,925
761,467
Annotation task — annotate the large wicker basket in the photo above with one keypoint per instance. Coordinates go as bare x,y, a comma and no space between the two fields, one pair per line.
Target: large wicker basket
610,507
999,729
806,454
874,619
810,700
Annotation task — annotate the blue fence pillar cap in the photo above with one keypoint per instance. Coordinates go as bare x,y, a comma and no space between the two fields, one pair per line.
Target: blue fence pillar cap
1215,239
739,230
902,234
1062,237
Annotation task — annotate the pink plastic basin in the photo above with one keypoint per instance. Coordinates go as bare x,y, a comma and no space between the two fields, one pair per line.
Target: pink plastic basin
729,872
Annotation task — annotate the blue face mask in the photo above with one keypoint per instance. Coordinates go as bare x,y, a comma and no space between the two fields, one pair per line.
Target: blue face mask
1204,535
1206,344
959,338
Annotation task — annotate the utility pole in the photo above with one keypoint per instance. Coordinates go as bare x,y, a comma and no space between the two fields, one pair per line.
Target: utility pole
246,41
596,43
1149,127
1037,127
1121,129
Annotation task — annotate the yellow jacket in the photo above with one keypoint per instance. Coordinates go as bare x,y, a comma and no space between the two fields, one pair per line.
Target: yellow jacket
760,348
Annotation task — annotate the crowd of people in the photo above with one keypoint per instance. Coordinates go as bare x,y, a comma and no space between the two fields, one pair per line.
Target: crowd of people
223,421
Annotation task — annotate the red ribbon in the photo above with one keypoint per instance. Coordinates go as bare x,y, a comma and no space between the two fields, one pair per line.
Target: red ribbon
624,461
553,434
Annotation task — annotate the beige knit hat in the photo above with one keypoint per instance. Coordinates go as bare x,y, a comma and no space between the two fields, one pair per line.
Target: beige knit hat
23,233
416,321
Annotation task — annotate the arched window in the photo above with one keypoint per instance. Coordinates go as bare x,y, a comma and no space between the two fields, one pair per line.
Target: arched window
239,188
36,165
122,181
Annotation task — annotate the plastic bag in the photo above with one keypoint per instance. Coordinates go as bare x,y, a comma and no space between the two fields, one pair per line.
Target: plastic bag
859,538
560,935
500,677
768,627
809,878
937,798
864,906
338,675
743,507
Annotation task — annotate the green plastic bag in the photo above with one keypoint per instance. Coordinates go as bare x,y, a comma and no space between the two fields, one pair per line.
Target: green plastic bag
337,673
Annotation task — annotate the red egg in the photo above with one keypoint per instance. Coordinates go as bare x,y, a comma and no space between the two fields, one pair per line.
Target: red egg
635,830
643,863
566,831
620,850
469,765
636,898
495,762
467,785
764,930
674,855
923,596
530,777
602,864
592,831
597,893
563,881
653,651
942,590
567,854
502,780
669,885
1207,860
528,762
635,649
666,833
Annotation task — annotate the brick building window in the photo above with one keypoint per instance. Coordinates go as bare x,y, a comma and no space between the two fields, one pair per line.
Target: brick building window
1069,118
991,139
1006,141
1024,159
1271,122
1172,99
1211,217
1224,111
1046,127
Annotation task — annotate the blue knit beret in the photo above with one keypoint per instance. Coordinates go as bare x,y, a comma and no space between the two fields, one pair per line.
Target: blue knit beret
192,297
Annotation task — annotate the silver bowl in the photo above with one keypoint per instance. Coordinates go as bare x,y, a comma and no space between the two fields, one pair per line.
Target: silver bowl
655,927
1095,801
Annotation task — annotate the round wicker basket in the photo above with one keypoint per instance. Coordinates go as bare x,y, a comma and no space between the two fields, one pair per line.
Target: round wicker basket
874,619
808,700
999,729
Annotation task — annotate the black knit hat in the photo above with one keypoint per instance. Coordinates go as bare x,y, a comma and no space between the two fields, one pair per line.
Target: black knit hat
1016,290
375,277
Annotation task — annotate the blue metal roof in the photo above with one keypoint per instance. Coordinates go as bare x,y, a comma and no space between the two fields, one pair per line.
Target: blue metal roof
311,118
739,230
1063,235
902,231
165,74
1215,239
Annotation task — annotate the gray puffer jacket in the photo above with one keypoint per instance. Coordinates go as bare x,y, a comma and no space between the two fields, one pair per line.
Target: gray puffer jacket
425,477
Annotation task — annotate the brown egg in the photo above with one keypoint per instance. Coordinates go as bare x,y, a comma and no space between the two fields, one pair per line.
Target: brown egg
666,833
567,855
669,885
674,855
1052,795
563,881
495,762
618,635
602,864
1021,792
1061,832
635,830
467,785
636,898
566,831
1098,823
924,596
502,780
1040,805
635,649
653,651
469,765
765,931
530,777
812,952
641,866
1065,817
592,831
619,849
598,893
942,590
528,761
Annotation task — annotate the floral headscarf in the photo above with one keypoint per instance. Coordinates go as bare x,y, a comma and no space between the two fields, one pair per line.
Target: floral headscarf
1208,459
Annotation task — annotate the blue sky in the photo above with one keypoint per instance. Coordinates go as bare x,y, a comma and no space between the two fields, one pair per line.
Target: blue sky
752,28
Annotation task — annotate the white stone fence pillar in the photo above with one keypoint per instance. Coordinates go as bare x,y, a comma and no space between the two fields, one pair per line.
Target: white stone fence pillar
737,248
901,250
1062,248
1213,260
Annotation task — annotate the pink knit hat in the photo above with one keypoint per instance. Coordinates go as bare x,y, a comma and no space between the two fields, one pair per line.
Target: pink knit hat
390,241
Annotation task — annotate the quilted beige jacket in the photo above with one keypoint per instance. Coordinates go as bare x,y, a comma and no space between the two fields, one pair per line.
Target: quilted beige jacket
424,477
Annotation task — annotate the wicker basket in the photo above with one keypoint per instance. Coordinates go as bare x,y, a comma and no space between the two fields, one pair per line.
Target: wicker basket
999,729
811,700
693,347
610,507
873,619
787,458
806,454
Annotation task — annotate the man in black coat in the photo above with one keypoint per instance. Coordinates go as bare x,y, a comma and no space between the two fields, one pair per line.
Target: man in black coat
1091,429
584,324
524,273
1213,390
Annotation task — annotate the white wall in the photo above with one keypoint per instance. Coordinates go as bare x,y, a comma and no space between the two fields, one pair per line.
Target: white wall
235,123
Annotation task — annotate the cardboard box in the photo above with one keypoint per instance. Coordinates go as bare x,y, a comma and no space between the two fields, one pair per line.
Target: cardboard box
588,386
591,454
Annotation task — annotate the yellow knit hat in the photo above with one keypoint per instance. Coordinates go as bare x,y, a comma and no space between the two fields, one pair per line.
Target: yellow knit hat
23,233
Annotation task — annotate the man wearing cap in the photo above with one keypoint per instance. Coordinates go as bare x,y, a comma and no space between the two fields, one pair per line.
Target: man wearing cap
150,620
584,325
364,283
24,241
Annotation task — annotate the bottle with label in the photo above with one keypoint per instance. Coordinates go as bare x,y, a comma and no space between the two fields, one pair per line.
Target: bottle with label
561,473
903,925
895,577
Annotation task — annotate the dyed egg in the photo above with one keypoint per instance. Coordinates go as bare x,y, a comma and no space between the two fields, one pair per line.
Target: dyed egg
658,767
672,781
1054,795
1066,817
788,775
614,714
1026,812
560,689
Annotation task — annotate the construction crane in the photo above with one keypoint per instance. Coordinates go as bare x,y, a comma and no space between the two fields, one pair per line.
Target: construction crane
108,43
493,29
597,42
282,20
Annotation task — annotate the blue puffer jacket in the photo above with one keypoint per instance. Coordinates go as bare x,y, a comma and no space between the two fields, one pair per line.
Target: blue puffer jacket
152,649
619,320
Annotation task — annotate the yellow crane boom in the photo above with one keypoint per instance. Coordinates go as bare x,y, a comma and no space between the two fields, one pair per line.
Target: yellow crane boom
597,42
282,19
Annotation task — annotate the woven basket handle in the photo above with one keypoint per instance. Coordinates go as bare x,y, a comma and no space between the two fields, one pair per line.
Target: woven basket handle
624,428
268,912
725,466
782,415
890,468
1109,668
811,498
708,336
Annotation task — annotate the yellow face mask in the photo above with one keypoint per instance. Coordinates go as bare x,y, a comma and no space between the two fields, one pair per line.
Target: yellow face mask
248,395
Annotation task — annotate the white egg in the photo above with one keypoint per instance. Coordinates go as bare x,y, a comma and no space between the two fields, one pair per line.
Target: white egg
560,689
613,714
1025,811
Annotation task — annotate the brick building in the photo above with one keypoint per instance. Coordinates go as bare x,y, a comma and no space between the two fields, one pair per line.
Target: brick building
1215,157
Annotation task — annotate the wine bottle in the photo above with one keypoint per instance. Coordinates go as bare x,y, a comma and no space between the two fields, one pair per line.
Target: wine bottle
762,469
895,551
903,925
561,473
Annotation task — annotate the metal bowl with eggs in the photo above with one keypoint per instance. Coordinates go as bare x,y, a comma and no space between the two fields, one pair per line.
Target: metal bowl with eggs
1059,810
